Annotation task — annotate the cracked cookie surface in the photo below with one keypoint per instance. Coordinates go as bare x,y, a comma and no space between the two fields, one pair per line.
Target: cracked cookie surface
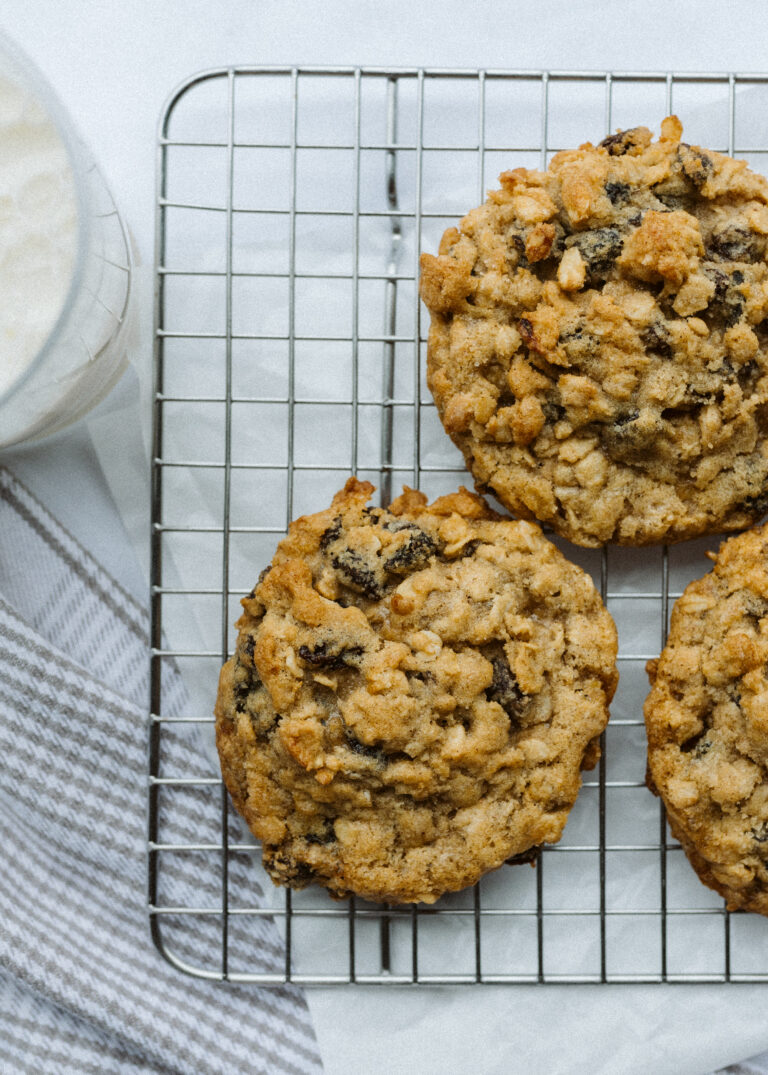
598,346
413,696
707,723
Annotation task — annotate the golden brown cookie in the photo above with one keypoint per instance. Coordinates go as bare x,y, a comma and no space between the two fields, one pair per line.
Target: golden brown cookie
707,723
598,347
413,695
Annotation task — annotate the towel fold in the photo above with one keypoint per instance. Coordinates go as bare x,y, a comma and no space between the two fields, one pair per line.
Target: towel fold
82,989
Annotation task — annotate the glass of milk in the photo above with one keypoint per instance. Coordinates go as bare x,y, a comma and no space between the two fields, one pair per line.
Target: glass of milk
65,263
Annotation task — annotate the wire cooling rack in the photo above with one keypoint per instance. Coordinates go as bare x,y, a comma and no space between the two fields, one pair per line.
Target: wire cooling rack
292,207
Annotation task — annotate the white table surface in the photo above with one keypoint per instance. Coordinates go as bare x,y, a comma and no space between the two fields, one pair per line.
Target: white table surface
114,64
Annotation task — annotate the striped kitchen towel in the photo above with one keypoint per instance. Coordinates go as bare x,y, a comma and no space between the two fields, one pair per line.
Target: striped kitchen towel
82,989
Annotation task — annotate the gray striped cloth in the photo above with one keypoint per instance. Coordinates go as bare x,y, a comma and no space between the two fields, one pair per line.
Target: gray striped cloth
82,989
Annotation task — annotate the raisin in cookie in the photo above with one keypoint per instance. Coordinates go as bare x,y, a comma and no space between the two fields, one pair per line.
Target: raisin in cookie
707,722
598,347
413,695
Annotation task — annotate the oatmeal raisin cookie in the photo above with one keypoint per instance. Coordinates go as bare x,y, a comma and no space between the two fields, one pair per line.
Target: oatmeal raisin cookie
599,345
413,696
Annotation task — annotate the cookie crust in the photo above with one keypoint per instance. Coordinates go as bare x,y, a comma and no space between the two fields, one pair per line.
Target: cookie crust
413,696
597,346
707,723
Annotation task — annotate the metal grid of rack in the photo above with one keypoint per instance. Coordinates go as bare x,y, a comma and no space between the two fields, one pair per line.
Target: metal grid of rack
292,205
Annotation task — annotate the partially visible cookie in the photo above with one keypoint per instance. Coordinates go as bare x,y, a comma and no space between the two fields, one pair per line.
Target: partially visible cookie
413,695
599,346
707,723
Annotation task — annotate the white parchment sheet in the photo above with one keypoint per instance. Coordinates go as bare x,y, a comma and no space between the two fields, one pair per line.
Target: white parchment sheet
309,243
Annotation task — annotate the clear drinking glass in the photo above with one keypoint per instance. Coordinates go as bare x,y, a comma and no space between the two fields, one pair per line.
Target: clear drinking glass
62,339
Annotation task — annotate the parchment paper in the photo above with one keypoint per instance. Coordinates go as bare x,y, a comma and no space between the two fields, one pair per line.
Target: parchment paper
627,1028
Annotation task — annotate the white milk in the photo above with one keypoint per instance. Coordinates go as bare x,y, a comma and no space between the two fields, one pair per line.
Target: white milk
65,263
38,229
